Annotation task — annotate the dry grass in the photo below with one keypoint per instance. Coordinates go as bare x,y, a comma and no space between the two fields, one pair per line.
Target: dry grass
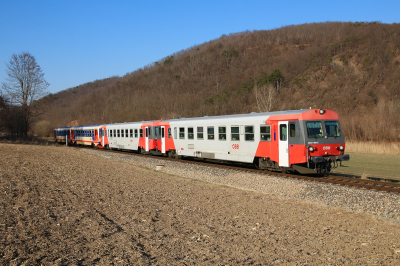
373,147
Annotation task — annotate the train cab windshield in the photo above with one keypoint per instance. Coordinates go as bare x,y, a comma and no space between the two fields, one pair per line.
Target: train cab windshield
332,129
315,129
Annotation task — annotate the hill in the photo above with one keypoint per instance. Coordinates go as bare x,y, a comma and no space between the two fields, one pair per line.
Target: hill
352,68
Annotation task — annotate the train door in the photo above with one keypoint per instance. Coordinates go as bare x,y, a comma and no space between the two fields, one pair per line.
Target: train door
163,139
102,133
283,144
146,139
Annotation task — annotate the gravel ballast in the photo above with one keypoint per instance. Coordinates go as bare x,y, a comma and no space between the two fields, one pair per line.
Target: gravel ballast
383,205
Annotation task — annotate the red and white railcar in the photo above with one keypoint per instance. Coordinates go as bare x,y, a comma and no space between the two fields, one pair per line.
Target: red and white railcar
306,141
85,135
127,136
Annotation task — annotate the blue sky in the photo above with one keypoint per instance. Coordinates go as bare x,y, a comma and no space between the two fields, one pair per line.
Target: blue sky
80,41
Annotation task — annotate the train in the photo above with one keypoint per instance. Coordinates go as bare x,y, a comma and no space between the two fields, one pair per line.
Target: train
308,141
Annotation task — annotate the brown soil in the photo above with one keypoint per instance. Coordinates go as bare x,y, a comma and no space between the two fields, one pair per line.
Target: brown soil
63,206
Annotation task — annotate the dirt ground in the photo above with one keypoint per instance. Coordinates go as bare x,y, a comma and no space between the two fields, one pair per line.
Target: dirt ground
62,206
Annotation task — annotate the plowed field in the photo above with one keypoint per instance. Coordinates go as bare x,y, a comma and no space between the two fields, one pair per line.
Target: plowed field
62,206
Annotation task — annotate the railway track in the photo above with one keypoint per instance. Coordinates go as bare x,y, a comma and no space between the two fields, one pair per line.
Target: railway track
387,186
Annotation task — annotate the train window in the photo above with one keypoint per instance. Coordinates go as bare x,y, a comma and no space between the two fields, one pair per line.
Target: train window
200,133
175,133
157,131
292,130
265,133
126,133
249,132
147,132
169,133
115,135
283,132
210,132
314,130
235,133
181,132
122,133
222,133
118,133
136,134
163,132
131,133
190,133
141,133
332,128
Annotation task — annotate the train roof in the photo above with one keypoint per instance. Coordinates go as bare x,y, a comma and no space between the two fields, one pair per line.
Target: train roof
241,116
129,123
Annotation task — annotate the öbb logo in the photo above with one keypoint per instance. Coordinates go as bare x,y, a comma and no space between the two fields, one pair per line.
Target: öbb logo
326,148
235,146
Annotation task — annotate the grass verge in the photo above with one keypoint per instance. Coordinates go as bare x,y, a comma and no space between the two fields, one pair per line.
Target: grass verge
371,165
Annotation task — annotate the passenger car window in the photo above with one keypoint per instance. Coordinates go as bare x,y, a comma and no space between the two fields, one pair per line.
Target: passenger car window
175,133
141,133
249,133
200,133
136,134
210,132
169,133
190,133
235,133
126,133
181,132
131,133
265,133
118,133
222,133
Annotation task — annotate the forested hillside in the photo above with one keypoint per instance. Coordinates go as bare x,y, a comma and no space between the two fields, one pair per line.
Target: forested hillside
351,68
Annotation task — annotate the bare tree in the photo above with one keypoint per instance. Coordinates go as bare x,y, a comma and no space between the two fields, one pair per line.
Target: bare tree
264,97
25,85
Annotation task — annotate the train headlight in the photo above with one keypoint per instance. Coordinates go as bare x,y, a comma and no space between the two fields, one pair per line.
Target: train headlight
341,148
321,111
311,149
